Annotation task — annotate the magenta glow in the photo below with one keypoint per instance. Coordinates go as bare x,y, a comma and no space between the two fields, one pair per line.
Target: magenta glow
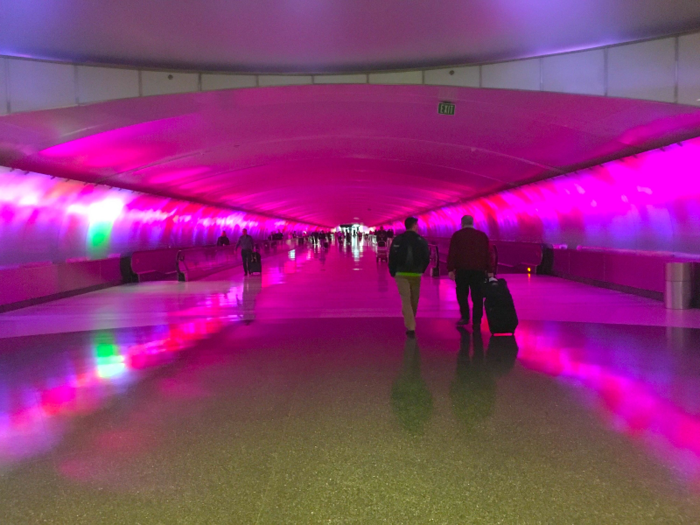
44,219
647,202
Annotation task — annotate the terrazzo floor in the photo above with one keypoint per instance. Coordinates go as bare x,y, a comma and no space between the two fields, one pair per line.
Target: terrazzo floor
295,397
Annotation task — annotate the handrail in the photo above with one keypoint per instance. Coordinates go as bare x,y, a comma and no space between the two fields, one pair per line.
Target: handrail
196,262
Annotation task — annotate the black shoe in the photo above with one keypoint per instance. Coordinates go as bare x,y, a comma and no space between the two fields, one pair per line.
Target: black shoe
411,334
476,326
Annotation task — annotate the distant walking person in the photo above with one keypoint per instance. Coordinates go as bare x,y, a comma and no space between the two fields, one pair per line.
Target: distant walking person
409,257
245,242
382,236
223,240
468,262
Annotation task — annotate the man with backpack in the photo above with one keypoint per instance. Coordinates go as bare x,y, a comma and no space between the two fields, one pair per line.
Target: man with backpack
409,257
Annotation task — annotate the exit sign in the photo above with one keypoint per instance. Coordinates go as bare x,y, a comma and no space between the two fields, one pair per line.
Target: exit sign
446,108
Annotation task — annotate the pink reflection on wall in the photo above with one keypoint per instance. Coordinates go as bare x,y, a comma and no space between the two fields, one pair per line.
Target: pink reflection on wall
629,405
647,202
48,219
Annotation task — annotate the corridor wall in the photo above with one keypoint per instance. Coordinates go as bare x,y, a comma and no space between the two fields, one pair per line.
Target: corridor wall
45,219
648,202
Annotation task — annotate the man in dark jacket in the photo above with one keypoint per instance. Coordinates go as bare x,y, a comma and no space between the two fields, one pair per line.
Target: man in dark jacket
409,257
468,262
245,242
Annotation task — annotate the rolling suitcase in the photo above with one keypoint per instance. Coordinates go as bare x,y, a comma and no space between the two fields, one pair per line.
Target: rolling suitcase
499,306
254,264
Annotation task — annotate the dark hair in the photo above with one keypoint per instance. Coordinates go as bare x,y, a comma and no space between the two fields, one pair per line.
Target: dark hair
410,222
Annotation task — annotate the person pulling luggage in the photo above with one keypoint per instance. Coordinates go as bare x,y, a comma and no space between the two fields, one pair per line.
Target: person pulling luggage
409,257
468,263
245,242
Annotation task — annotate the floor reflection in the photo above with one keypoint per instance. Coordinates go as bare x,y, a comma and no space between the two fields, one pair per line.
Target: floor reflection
251,289
411,400
473,390
47,381
631,380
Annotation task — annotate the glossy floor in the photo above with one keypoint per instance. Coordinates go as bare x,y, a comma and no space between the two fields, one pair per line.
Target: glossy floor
295,398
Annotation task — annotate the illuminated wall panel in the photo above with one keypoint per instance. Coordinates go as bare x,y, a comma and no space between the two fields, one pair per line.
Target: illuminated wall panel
43,219
647,202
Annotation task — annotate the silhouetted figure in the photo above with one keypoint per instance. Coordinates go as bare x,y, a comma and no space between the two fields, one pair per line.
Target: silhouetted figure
223,240
468,262
473,391
245,242
411,400
382,235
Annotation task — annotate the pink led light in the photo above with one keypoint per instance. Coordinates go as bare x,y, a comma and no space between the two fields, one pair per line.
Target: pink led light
47,219
648,202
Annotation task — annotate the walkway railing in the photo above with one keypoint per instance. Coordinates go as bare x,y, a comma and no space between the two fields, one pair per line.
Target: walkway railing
195,263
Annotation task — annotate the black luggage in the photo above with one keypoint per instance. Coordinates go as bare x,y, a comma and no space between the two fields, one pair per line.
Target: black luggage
254,264
500,310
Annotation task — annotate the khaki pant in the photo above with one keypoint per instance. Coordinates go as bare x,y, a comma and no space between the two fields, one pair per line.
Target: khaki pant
409,290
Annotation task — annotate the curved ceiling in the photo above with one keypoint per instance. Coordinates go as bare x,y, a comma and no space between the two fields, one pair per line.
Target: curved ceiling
326,35
328,154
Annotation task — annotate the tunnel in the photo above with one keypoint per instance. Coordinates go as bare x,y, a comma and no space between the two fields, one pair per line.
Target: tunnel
316,262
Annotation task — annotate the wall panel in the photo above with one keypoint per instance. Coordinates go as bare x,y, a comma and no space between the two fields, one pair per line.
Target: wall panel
520,74
164,83
3,86
689,69
38,85
648,70
454,76
359,78
284,80
97,84
645,71
213,82
580,73
398,77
